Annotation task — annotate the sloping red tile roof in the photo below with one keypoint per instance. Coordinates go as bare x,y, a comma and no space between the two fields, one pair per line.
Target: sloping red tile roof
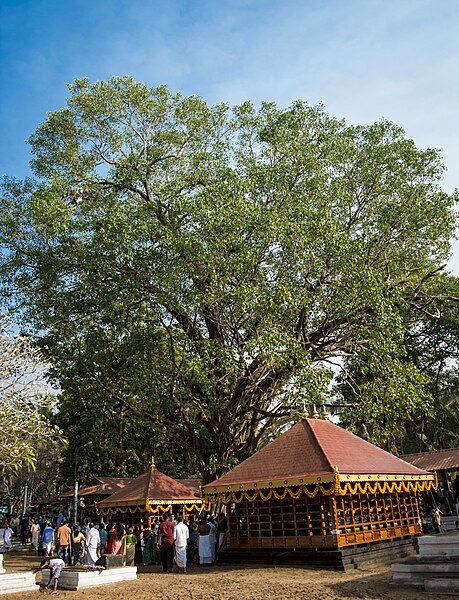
193,484
151,486
437,460
100,486
314,447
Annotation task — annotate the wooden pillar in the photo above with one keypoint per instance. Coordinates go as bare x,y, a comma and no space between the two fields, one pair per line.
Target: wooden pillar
335,518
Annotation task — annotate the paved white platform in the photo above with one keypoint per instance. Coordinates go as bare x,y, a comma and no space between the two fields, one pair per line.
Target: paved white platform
10,583
78,580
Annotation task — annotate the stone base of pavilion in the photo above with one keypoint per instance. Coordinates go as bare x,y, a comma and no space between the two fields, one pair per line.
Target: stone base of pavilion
82,579
344,559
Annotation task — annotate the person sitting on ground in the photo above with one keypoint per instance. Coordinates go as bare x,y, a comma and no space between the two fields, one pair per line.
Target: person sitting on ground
55,566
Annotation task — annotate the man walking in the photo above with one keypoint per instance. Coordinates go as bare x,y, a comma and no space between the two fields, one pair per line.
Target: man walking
181,535
92,544
166,543
47,539
63,539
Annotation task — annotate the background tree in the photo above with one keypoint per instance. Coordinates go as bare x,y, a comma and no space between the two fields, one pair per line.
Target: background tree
431,348
24,400
201,265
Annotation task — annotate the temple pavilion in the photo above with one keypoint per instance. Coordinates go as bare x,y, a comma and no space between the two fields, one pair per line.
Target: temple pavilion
150,495
318,486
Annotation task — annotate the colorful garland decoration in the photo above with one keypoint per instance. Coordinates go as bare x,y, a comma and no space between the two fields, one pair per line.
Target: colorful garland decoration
337,488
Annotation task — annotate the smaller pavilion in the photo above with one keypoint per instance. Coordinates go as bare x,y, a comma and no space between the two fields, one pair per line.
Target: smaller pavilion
444,463
150,495
322,488
91,494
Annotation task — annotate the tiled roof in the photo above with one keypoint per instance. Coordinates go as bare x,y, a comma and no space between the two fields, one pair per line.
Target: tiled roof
100,486
315,447
152,486
437,460
193,484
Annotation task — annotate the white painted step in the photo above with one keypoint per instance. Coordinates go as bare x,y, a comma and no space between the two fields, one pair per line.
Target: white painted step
2,570
11,583
77,580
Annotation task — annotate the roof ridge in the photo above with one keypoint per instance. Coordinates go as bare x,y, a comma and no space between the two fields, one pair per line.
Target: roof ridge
430,452
149,478
332,467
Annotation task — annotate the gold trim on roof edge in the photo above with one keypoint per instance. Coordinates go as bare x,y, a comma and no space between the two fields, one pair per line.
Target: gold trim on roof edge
310,480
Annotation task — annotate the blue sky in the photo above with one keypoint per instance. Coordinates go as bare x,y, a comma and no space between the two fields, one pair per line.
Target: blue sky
365,59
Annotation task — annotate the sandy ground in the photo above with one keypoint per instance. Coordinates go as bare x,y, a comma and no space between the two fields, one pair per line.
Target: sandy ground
238,583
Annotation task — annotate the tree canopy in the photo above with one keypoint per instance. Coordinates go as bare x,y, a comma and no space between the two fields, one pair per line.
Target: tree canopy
201,266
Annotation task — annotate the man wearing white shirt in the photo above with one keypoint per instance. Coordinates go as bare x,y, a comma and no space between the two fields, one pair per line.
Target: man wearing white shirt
181,535
92,543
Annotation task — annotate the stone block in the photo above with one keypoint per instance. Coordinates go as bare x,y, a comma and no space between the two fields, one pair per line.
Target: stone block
445,546
77,580
10,583
442,586
111,561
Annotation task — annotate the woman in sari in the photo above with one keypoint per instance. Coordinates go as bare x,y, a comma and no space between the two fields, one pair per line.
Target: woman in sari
129,542
117,544
147,552
138,544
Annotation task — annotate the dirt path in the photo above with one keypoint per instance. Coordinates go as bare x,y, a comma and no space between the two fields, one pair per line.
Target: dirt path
238,583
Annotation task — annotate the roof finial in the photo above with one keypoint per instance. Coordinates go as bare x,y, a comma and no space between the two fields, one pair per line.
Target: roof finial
153,464
315,414
325,414
304,414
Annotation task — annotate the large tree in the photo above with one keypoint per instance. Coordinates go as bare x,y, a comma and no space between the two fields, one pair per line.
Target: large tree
201,265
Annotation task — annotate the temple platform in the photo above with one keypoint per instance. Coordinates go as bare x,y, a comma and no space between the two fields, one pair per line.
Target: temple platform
82,579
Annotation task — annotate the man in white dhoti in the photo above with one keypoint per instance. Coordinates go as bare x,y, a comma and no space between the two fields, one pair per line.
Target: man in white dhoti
205,552
92,543
181,535
7,535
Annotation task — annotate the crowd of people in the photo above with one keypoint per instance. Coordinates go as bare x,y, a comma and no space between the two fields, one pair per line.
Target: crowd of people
168,541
